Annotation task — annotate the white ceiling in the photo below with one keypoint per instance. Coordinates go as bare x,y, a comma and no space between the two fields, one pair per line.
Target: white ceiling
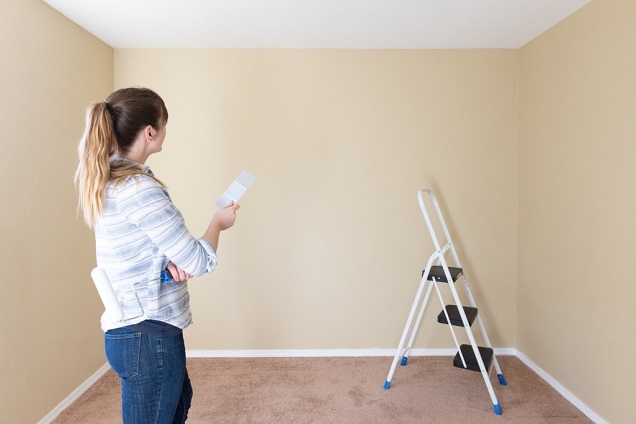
342,24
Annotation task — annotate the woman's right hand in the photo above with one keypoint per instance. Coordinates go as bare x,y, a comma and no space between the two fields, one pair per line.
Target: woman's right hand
222,219
225,217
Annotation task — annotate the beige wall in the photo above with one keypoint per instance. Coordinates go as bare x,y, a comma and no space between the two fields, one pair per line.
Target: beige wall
576,288
50,70
330,241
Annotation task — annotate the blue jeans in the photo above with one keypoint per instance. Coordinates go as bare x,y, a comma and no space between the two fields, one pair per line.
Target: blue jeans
154,380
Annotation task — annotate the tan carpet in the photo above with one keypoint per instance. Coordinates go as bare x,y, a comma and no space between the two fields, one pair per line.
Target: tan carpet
345,390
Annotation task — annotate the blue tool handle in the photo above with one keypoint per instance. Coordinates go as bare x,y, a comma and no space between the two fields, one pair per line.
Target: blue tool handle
165,276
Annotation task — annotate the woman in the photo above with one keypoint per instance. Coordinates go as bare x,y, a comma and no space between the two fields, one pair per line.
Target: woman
139,233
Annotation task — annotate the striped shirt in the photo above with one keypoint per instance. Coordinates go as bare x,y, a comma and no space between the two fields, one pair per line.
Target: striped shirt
138,233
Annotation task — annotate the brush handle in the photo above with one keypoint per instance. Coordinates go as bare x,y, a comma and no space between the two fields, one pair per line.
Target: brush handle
107,294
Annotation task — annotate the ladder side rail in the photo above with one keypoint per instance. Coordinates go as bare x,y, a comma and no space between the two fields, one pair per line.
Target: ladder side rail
484,374
469,333
409,320
440,217
471,299
448,246
405,333
473,342
488,344
469,294
482,328
425,275
427,218
480,361
418,321
458,303
451,284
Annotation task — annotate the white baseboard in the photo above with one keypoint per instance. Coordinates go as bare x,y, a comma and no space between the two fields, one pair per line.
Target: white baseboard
562,390
325,353
75,395
309,353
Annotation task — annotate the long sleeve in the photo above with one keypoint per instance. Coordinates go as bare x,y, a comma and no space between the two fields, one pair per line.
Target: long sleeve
147,205
138,233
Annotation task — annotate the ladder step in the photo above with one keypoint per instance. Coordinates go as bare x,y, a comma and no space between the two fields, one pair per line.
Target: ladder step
437,272
469,356
455,317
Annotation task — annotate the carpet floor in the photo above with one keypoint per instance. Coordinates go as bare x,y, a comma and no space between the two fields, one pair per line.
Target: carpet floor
345,390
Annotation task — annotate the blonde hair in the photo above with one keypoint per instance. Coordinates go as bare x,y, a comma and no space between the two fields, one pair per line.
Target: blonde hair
111,127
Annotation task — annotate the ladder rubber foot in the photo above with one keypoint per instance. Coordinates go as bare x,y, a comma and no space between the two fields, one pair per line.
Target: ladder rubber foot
405,359
502,380
497,409
387,384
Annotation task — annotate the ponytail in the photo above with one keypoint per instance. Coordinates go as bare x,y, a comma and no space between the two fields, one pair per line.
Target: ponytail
111,128
96,147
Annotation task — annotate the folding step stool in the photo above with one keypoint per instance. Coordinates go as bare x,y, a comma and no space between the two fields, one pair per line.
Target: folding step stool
471,357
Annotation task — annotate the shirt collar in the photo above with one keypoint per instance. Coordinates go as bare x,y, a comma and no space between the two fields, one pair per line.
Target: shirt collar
144,167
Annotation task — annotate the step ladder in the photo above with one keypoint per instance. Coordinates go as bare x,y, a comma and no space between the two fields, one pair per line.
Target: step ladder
469,356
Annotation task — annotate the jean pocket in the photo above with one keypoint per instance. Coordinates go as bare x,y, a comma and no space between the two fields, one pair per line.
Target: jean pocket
122,352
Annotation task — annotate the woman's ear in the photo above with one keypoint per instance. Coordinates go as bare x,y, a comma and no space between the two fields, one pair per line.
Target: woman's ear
150,132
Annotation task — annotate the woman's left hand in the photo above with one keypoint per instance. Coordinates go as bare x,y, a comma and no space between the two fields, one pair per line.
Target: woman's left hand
177,273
